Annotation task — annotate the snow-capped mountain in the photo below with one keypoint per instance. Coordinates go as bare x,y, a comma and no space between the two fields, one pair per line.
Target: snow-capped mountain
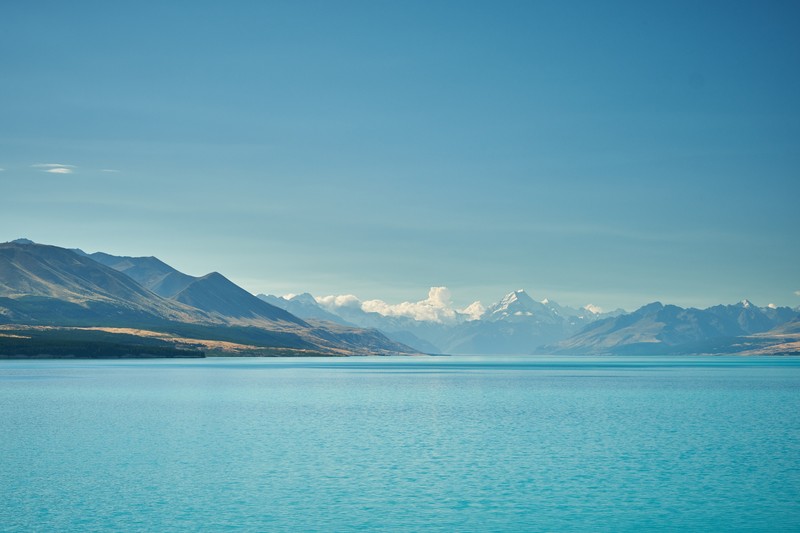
519,306
516,324
520,324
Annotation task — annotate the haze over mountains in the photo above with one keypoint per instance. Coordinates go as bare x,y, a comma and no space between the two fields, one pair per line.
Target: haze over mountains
48,286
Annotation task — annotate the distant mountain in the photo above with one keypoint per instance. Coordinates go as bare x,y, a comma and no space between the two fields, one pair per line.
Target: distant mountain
781,340
50,286
517,324
306,307
303,306
517,306
217,295
752,319
149,272
668,329
788,328
212,293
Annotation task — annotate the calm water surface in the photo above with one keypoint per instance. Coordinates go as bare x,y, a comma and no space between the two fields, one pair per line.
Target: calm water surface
412,444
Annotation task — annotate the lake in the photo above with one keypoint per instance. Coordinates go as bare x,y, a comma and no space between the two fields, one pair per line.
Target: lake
401,444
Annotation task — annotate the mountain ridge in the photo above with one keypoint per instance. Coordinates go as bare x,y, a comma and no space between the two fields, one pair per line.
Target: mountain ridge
51,286
48,285
518,324
670,329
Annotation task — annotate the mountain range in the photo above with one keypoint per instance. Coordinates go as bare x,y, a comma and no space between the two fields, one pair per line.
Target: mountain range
518,324
668,329
60,301
50,287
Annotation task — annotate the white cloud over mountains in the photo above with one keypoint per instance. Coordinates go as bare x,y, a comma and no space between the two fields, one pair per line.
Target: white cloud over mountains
342,300
437,307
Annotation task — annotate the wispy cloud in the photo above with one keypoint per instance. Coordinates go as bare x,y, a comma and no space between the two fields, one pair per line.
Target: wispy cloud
797,293
113,170
2,170
55,168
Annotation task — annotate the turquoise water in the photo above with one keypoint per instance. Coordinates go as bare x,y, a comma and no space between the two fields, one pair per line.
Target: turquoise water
391,444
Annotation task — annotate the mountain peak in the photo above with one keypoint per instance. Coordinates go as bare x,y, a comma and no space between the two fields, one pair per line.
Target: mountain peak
214,276
22,241
594,309
304,298
517,304
653,307
747,304
517,296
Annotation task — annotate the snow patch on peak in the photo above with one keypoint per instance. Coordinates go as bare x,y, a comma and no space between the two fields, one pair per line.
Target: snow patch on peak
473,311
516,303
515,296
594,309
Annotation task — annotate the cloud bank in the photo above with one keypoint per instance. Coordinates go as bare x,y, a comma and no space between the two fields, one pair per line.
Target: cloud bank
437,307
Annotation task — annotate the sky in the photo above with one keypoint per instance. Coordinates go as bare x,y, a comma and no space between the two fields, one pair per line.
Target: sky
613,153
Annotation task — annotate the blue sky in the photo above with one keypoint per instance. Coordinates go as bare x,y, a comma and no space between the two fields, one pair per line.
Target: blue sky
606,152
